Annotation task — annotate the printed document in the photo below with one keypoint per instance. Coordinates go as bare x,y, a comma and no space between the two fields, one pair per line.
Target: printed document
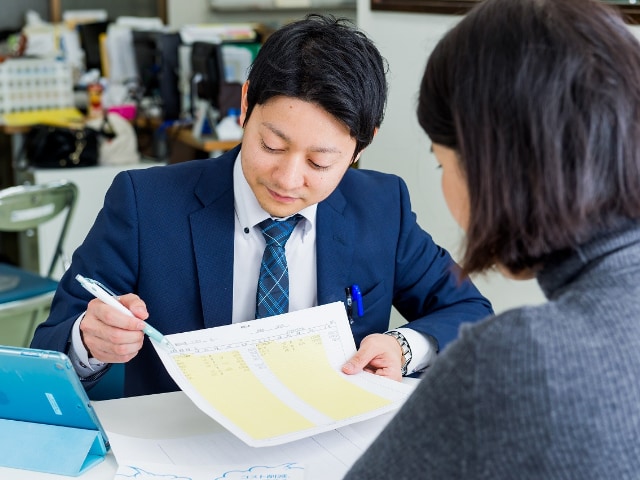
278,379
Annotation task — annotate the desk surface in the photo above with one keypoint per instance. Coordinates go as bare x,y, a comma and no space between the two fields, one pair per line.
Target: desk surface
139,417
209,145
15,129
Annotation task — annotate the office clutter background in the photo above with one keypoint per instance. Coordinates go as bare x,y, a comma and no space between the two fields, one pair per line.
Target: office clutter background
126,59
133,67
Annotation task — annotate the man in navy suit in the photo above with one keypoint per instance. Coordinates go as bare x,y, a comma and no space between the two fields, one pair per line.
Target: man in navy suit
184,239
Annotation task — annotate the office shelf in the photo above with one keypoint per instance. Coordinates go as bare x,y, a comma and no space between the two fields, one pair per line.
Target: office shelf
279,5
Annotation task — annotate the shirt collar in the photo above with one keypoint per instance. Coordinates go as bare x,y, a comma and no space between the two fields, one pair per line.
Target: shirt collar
249,211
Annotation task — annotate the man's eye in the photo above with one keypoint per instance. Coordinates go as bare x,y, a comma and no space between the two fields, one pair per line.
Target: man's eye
267,147
318,167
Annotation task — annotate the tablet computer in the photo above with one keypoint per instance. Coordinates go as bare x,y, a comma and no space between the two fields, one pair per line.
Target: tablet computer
41,386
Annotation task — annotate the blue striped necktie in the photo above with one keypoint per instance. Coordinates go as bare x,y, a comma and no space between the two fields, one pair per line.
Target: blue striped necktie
272,296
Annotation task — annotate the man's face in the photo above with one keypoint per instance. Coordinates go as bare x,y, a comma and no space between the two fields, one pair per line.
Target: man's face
294,154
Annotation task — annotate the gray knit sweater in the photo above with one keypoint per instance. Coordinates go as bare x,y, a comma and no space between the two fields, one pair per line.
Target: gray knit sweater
544,392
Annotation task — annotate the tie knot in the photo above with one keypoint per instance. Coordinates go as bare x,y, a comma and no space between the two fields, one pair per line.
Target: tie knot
278,231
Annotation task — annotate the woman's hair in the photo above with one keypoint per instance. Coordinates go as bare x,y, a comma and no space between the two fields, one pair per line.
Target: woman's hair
326,61
541,101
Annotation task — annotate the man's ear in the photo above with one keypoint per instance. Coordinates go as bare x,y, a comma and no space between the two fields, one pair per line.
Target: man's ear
244,104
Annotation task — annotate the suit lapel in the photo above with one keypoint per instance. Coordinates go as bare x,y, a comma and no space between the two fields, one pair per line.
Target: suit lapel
334,248
212,229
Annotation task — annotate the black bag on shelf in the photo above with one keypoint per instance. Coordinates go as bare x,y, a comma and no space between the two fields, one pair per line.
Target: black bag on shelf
48,146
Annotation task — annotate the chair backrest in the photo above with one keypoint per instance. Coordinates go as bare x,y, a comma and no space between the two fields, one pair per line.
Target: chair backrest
25,207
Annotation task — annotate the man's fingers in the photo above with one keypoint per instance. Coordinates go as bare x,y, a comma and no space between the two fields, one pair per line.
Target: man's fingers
379,354
361,359
110,335
108,315
113,345
135,304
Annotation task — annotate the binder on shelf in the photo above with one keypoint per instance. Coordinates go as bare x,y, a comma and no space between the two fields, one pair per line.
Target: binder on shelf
60,117
47,423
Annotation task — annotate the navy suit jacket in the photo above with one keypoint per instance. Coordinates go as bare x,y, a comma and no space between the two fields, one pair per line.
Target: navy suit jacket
166,233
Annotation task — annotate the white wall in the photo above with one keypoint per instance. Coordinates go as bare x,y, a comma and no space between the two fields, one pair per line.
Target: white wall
401,147
183,12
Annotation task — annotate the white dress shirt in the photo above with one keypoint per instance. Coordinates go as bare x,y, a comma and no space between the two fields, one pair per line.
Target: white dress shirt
248,247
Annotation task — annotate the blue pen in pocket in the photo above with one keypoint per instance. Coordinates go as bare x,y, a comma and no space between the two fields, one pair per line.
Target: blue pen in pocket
356,296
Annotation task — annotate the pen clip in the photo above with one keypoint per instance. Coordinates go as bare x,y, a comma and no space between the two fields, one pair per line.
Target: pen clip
349,305
102,286
356,294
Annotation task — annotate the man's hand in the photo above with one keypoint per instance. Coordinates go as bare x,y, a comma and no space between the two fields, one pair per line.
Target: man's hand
380,354
110,336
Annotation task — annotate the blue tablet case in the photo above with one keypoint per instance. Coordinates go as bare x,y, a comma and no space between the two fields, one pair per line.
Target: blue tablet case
47,423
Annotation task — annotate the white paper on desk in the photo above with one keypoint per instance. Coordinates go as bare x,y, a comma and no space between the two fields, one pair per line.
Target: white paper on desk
278,379
221,455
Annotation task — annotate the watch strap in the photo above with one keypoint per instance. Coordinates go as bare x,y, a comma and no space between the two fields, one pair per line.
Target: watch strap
406,349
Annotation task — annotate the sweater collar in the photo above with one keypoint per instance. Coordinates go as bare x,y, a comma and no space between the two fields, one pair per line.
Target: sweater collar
609,252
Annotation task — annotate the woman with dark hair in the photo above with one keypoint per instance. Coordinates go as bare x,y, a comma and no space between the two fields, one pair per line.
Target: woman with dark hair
533,108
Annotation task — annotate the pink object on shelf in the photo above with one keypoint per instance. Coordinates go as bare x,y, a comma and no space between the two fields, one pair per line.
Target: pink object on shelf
128,112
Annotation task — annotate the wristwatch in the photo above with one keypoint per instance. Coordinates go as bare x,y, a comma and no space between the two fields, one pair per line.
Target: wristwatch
406,349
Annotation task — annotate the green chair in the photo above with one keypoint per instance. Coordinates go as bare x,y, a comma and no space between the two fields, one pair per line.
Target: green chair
25,297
